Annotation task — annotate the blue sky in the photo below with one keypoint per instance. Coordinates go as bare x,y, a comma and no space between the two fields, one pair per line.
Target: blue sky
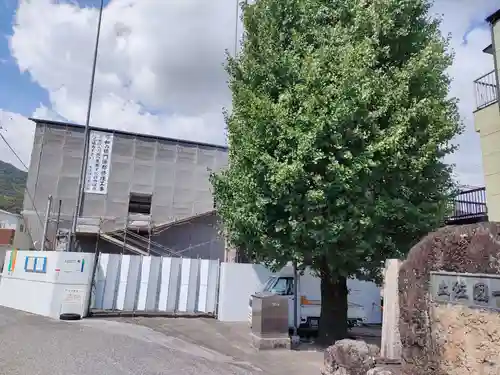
18,92
151,58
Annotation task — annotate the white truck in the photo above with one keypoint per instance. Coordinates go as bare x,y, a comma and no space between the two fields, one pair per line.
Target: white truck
363,299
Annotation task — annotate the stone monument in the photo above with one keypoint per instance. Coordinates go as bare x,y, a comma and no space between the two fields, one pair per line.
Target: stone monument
391,343
449,302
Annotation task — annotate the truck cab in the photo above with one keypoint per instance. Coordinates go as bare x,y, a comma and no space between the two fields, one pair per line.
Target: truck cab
309,302
309,310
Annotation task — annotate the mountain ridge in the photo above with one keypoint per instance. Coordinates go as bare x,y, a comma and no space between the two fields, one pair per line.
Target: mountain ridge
12,186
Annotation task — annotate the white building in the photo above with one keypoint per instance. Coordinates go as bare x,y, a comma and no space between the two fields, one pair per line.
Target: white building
8,220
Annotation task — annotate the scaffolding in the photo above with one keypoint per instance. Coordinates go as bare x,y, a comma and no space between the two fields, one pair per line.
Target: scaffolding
132,234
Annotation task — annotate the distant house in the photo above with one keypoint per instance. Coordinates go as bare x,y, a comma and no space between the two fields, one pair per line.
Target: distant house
487,120
8,220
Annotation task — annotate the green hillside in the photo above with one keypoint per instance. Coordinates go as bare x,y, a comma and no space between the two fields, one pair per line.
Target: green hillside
12,184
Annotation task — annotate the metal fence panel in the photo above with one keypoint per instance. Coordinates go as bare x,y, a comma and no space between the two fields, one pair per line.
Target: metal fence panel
150,284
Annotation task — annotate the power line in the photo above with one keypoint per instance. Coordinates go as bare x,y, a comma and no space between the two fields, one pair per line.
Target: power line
30,197
13,151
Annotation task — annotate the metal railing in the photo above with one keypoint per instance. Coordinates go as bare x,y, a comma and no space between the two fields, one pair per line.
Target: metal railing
469,206
485,90
138,243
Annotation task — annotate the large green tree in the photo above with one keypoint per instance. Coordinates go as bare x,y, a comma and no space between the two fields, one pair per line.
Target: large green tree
340,122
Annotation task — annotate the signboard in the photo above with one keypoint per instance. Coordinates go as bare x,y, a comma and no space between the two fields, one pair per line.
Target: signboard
98,162
73,296
73,265
469,289
72,301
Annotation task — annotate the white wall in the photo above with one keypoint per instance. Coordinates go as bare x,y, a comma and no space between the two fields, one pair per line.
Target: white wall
238,281
62,285
155,284
366,294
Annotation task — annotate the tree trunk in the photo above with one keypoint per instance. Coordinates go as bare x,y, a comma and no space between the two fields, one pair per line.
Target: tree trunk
333,320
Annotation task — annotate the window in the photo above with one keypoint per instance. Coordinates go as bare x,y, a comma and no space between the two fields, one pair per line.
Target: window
269,283
21,228
140,204
282,286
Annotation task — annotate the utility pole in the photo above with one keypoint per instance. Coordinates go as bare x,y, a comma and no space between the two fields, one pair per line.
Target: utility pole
83,169
236,27
46,224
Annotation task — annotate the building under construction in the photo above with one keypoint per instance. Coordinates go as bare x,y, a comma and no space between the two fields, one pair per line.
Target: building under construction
143,194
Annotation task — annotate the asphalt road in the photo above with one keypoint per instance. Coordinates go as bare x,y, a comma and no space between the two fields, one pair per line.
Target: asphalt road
33,345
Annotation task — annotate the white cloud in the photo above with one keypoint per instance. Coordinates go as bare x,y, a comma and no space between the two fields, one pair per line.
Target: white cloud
160,65
18,132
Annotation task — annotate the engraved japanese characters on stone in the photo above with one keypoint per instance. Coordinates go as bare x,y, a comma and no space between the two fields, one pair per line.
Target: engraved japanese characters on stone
443,289
481,293
443,292
460,290
473,290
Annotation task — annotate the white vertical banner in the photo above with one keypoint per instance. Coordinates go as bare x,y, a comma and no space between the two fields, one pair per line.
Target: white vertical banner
98,163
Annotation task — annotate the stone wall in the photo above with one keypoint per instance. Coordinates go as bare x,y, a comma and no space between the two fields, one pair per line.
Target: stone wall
469,339
440,338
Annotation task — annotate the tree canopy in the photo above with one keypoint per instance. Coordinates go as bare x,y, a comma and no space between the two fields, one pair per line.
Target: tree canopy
339,125
12,185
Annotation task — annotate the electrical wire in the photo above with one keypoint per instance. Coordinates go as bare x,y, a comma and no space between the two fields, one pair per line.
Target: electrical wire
30,197
13,151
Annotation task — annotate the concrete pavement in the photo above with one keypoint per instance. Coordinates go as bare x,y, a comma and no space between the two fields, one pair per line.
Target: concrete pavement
34,345
233,341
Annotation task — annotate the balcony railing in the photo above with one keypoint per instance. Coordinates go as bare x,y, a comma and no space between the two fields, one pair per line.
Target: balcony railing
469,206
485,89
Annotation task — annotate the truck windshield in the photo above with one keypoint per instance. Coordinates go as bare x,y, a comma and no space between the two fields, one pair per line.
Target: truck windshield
280,285
269,283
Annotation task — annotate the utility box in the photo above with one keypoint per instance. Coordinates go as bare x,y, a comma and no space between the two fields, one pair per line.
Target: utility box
270,321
